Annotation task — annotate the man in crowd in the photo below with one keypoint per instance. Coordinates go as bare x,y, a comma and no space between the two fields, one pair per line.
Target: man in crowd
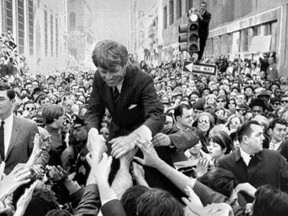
16,134
253,164
128,94
204,20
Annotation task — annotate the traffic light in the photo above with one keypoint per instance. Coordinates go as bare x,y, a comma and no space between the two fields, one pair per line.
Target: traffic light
189,35
193,43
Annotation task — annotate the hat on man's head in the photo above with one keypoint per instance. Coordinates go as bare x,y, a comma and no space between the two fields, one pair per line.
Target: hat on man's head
258,102
242,107
263,93
77,121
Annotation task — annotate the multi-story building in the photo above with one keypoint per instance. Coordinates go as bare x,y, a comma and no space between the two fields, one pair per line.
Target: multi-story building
40,31
81,36
243,28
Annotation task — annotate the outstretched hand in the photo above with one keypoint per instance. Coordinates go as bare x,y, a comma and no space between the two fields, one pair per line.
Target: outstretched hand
151,157
20,175
201,167
25,199
123,144
96,143
104,168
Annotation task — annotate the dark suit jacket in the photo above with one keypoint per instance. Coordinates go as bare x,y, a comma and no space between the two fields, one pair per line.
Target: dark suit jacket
266,167
21,143
138,104
204,25
283,149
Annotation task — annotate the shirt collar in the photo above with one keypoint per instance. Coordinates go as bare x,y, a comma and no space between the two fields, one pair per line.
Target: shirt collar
9,118
119,85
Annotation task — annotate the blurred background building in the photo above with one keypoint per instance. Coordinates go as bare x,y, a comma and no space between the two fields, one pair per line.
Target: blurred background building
238,28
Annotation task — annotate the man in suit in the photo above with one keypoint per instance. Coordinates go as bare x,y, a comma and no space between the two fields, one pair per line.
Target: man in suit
16,134
129,95
277,130
253,164
204,20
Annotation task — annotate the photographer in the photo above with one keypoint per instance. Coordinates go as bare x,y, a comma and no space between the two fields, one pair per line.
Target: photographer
204,20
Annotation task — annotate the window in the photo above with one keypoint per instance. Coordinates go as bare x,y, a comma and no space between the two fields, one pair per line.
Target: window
244,40
46,30
72,19
57,35
268,29
256,30
9,15
31,27
20,26
171,13
165,17
179,9
52,34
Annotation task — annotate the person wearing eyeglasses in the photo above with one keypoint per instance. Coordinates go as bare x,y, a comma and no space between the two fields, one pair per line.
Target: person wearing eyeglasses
29,110
284,100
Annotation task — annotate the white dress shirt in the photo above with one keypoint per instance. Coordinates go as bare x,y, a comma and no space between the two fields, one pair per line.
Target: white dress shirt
7,131
246,157
143,131
275,146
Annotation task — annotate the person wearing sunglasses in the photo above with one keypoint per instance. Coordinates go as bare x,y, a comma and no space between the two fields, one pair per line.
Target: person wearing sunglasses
30,108
284,100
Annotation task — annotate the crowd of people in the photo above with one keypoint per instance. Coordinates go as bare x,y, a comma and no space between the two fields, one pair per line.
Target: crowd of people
132,139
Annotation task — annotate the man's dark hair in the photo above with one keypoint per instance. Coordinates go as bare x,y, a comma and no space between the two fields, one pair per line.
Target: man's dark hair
179,109
277,121
129,199
51,112
245,129
203,2
157,202
42,202
270,201
10,92
219,180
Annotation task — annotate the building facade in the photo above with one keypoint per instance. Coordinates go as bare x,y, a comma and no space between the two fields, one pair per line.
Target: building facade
81,36
238,28
40,31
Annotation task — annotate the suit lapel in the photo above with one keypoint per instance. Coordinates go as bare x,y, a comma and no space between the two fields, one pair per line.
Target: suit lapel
126,88
14,135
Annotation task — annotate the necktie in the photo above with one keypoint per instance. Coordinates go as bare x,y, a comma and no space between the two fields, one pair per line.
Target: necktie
2,145
116,95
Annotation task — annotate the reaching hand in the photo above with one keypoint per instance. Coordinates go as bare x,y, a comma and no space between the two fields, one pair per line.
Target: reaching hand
37,148
138,171
247,188
126,159
20,175
121,145
96,143
193,197
103,168
151,157
25,199
161,139
201,168
56,173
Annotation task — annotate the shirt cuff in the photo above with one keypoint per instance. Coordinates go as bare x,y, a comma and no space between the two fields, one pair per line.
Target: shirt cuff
144,132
